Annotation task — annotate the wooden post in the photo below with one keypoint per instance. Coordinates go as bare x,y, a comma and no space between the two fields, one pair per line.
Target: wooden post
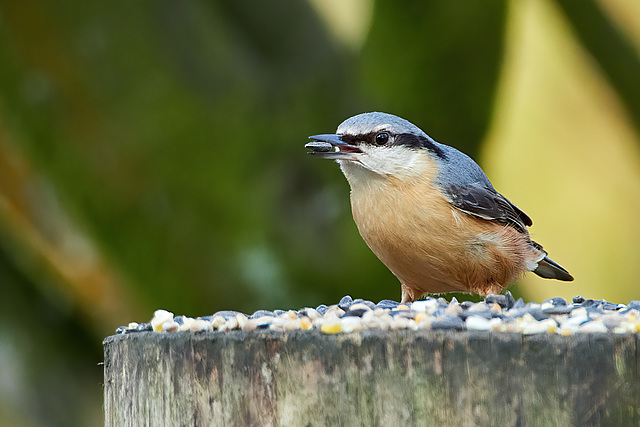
371,378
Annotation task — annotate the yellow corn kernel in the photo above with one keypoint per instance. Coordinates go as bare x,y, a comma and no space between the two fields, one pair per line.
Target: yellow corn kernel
305,323
331,328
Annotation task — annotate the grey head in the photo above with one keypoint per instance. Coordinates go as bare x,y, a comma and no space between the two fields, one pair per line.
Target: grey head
387,144
365,123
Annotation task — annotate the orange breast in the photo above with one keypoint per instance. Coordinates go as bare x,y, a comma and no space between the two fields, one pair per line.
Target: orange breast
429,245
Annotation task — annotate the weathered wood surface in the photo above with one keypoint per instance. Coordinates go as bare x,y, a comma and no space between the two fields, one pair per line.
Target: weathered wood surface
371,378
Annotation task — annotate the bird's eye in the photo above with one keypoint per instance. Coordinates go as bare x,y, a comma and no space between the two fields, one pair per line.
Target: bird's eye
381,138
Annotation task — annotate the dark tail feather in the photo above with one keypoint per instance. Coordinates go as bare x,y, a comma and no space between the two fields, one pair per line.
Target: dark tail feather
549,269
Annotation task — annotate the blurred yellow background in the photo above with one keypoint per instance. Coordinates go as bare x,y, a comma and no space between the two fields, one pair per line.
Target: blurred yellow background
565,148
151,156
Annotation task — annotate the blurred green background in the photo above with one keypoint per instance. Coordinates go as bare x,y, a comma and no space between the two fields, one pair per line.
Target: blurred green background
151,156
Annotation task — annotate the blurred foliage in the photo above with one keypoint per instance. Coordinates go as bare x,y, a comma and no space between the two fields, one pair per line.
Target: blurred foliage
151,155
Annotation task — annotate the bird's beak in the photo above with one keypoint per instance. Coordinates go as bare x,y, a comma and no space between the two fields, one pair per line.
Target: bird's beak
331,146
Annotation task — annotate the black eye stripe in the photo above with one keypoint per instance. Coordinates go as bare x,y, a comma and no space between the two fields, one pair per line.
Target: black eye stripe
407,139
370,138
367,138
419,141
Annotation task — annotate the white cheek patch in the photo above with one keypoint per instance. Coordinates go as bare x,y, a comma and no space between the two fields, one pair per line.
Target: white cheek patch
399,162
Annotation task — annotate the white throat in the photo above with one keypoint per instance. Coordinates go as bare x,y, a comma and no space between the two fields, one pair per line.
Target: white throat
376,163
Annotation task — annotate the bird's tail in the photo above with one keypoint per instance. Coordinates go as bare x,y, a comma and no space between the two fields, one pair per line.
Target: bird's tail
549,269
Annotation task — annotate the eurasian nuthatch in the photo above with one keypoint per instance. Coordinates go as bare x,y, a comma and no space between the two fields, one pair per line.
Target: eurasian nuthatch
429,212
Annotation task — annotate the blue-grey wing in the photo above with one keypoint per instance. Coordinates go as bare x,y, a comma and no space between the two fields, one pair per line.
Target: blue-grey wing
484,202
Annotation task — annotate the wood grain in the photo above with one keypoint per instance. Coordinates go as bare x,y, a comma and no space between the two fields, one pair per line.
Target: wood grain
371,377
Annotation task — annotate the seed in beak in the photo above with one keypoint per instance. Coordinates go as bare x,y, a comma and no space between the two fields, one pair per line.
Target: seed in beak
319,147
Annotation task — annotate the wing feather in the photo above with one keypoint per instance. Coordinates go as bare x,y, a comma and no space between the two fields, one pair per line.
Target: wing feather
484,202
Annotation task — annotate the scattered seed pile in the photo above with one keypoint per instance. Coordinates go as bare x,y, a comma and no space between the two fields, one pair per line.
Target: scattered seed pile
501,313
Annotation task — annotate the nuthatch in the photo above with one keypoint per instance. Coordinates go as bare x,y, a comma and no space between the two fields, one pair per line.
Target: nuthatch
429,212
